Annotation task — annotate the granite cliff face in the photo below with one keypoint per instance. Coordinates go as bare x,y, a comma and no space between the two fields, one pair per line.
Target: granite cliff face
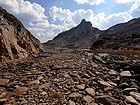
80,36
15,40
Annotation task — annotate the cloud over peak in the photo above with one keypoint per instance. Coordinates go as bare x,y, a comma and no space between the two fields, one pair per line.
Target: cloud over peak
61,19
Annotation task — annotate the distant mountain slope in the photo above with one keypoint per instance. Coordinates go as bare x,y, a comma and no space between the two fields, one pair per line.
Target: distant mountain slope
15,40
121,36
80,36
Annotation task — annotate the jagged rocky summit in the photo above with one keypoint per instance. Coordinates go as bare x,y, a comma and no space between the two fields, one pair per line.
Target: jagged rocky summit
118,37
80,36
15,40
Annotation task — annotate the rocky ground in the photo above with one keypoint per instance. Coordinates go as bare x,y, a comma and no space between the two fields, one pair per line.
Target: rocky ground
71,78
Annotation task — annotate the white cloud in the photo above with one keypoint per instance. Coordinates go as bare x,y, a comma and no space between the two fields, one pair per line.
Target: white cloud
38,24
90,2
108,21
100,20
124,1
56,12
24,10
135,7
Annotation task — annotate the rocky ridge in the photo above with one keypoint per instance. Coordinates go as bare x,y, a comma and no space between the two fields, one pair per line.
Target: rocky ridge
124,36
16,41
80,36
74,78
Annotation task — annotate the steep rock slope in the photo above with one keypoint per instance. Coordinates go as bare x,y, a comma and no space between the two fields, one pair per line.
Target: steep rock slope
16,41
121,36
80,36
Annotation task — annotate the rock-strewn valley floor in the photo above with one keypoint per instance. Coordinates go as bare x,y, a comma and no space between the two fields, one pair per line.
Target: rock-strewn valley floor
71,78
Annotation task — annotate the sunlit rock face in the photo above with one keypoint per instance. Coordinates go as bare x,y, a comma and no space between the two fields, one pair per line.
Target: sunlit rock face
15,40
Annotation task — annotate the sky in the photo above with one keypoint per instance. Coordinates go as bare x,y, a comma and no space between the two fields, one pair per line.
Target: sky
46,18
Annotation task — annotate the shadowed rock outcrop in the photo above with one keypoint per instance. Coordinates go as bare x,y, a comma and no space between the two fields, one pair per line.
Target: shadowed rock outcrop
119,37
15,40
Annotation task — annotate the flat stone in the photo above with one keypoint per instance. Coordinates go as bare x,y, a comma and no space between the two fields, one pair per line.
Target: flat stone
125,74
33,82
113,84
90,91
107,100
98,58
20,90
135,95
112,73
71,103
75,95
104,83
3,100
43,93
4,81
88,99
131,89
108,89
43,86
85,76
131,100
81,87
39,77
6,95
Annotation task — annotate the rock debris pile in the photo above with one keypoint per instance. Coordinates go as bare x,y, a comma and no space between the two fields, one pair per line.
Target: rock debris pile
72,78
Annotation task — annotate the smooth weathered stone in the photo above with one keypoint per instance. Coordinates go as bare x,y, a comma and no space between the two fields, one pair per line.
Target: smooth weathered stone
125,74
4,81
71,103
43,86
90,91
20,90
135,95
88,99
75,95
33,82
104,83
81,87
131,100
112,73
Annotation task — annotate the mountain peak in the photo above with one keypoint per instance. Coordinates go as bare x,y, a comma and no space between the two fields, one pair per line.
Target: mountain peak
85,24
83,21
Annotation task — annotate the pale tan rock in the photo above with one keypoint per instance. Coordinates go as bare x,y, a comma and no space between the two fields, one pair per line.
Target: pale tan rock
20,90
135,95
90,91
16,41
43,86
104,83
71,103
131,100
33,82
88,99
4,81
131,89
125,74
81,87
112,73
